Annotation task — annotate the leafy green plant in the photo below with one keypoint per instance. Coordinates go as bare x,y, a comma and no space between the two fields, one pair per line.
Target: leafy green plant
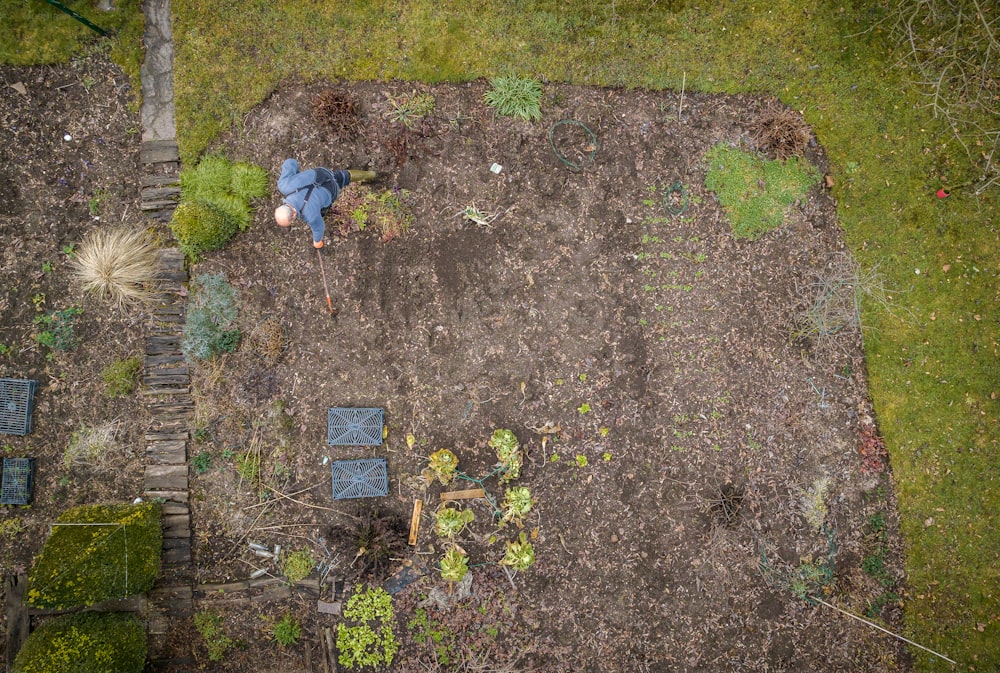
202,462
450,522
454,564
505,443
520,554
513,96
287,631
408,108
756,193
84,564
59,329
298,565
581,460
211,312
433,633
517,503
209,625
442,465
248,466
86,642
121,377
365,637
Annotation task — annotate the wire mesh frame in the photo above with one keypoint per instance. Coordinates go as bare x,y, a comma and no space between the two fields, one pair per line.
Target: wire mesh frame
364,478
17,399
354,426
17,486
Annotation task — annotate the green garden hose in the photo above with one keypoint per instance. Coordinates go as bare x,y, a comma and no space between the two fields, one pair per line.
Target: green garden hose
591,147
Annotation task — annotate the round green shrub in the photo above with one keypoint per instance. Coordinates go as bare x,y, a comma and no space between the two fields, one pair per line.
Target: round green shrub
248,181
212,177
200,227
87,642
83,565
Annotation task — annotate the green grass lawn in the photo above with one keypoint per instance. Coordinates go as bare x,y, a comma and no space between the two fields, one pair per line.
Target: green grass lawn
933,356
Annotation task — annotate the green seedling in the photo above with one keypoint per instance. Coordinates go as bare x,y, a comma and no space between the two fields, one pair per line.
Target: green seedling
454,565
581,460
520,554
450,522
442,465
505,443
516,505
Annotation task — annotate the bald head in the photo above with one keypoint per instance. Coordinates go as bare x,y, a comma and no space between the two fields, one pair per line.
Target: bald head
284,215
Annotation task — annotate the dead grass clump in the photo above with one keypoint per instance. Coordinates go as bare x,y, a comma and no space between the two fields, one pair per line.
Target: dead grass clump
781,132
118,265
336,112
725,507
268,340
93,448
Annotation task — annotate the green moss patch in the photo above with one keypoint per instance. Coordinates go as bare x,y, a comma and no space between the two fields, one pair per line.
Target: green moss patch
96,553
88,642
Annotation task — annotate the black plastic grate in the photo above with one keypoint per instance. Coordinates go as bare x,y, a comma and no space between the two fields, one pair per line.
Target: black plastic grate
17,485
354,427
365,478
17,400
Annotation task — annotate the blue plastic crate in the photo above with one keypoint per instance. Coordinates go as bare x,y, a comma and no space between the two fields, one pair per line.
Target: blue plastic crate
364,478
354,427
17,400
18,483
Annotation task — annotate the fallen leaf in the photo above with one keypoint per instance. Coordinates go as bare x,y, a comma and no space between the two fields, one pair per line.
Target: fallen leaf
946,268
20,88
929,522
829,181
410,440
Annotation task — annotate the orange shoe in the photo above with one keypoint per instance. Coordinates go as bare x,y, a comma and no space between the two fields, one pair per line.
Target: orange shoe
317,244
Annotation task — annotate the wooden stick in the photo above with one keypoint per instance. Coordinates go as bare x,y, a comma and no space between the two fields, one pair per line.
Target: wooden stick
283,495
418,506
876,626
680,104
469,494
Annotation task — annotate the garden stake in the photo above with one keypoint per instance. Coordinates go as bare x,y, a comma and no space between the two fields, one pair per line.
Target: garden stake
329,302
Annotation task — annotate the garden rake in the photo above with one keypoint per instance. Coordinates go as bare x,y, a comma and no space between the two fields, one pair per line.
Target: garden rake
326,287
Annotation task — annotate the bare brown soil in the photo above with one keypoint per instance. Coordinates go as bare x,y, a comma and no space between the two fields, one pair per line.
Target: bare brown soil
691,424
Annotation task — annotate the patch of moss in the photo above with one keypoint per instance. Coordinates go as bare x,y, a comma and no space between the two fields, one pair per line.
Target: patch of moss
102,552
87,642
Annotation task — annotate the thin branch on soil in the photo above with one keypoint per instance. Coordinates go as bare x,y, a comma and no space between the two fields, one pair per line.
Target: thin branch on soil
874,625
306,504
283,496
510,578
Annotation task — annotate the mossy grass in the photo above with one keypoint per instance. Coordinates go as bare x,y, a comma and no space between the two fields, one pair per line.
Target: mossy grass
36,33
113,554
86,642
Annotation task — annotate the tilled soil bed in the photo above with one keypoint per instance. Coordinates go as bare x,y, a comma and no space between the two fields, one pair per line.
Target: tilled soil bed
695,469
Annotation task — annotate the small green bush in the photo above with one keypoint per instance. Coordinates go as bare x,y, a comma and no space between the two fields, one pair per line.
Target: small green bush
505,443
248,181
298,565
214,206
87,642
58,329
756,193
121,377
209,625
211,312
287,631
209,178
83,565
514,96
365,637
201,227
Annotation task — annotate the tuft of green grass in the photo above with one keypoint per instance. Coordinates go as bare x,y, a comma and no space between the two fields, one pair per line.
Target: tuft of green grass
121,377
513,96
756,193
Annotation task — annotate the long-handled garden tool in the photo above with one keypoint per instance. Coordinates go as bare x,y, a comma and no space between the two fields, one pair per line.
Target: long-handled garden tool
322,271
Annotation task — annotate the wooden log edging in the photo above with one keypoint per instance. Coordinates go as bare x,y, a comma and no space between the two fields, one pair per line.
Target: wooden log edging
166,390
